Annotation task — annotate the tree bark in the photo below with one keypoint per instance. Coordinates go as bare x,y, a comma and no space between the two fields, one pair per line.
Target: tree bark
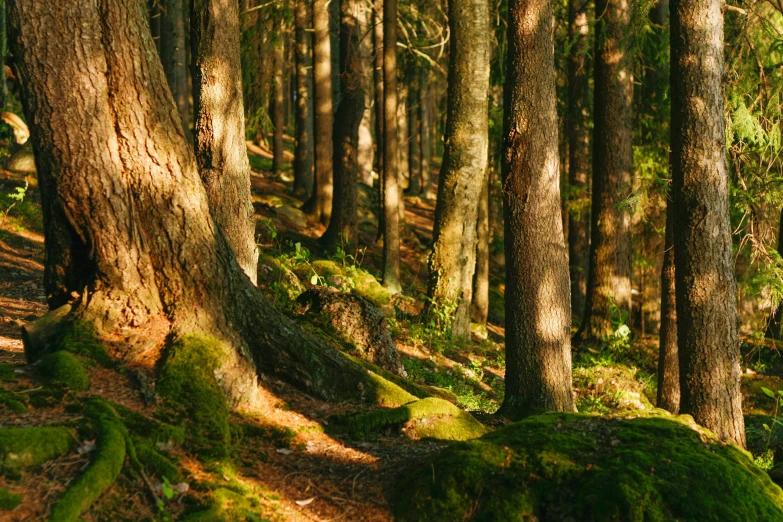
773,329
220,147
377,42
668,357
464,167
343,225
319,206
391,193
303,156
366,158
609,272
707,318
414,143
278,104
480,305
173,54
578,136
538,307
426,140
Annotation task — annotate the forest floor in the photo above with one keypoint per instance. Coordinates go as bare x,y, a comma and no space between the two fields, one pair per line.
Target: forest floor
284,465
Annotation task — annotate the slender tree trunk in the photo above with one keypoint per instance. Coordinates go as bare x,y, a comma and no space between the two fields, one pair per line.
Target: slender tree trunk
378,71
403,167
668,357
453,258
538,307
426,133
776,317
391,194
365,128
480,305
609,272
343,225
707,318
319,206
173,54
578,136
278,105
414,143
303,157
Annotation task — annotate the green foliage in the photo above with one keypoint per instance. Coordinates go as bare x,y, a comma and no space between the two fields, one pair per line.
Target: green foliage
17,196
8,500
64,369
28,447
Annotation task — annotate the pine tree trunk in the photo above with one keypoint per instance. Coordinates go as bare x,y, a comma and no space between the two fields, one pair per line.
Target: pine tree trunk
480,305
173,54
414,144
403,167
773,329
707,318
578,136
426,132
278,105
668,357
366,158
377,43
609,271
343,225
538,307
390,187
303,157
464,167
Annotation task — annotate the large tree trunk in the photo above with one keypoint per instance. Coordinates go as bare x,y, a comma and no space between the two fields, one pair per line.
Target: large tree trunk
220,126
343,225
319,206
707,319
390,187
668,357
538,307
278,104
453,258
609,272
153,261
303,156
173,54
578,136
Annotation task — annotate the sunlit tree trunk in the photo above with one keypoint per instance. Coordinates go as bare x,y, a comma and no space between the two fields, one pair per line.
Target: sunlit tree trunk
707,318
538,307
377,42
278,104
414,143
173,54
480,305
453,259
426,140
303,157
365,128
668,357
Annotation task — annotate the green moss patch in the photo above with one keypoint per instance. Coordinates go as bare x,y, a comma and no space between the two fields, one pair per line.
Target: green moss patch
151,430
277,279
64,369
79,337
226,506
189,388
8,372
577,467
14,402
8,500
27,447
157,464
350,278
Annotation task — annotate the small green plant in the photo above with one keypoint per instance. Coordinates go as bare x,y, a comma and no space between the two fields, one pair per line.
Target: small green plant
302,257
620,340
16,197
778,398
271,231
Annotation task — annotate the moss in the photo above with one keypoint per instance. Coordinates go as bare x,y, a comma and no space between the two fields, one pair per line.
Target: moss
64,369
277,278
155,463
27,447
8,372
577,467
8,500
226,506
106,466
427,418
79,337
13,401
359,281
150,429
189,388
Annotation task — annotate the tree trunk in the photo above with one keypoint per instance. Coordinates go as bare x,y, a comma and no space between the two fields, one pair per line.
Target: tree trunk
377,42
220,147
773,329
707,318
668,358
173,54
319,206
154,263
365,128
278,105
414,141
403,167
155,15
391,194
609,272
303,157
480,305
426,133
578,135
464,167
538,307
343,225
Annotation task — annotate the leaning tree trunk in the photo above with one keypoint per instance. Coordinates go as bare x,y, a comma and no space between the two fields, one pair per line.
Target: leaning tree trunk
278,104
173,54
480,306
707,318
391,193
578,135
303,156
220,126
609,271
453,258
538,305
343,225
319,206
153,261
668,357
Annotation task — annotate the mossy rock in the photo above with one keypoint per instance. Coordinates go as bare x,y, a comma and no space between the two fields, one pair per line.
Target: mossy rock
359,281
277,278
559,467
28,447
226,506
188,387
8,500
431,418
64,369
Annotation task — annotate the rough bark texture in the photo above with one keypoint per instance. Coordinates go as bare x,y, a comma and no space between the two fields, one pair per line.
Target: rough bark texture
425,109
464,167
578,136
303,155
278,105
609,272
377,42
480,306
220,147
343,225
668,357
414,144
538,307
390,187
319,206
173,54
111,150
707,319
